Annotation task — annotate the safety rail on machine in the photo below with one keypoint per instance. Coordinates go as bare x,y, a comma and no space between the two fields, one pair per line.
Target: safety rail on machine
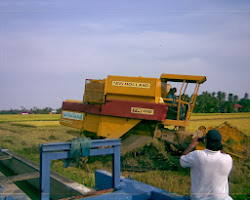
56,151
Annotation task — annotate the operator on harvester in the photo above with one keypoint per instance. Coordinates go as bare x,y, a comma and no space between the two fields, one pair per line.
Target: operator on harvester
210,168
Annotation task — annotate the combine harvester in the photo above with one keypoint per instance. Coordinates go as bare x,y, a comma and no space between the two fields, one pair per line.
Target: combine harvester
119,104
135,107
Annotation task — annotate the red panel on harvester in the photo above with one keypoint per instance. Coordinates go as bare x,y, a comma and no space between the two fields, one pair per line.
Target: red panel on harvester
81,107
134,109
118,108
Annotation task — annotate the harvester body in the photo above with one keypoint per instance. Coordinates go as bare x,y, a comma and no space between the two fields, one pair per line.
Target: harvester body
121,106
116,105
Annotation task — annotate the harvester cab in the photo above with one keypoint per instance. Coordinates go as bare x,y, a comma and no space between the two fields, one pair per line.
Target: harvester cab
120,105
180,106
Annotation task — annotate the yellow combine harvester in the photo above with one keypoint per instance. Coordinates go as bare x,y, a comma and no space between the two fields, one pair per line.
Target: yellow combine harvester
118,105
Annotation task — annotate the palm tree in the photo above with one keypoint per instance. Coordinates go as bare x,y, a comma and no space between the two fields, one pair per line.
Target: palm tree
230,97
236,98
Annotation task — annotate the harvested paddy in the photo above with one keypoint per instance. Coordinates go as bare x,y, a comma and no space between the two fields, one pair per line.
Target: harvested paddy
239,120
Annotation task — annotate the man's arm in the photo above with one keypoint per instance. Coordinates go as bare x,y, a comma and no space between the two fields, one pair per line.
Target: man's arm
192,145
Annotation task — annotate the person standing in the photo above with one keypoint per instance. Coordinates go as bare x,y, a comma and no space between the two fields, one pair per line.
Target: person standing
210,168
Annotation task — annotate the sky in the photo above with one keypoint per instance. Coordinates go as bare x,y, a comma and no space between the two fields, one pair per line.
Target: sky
49,47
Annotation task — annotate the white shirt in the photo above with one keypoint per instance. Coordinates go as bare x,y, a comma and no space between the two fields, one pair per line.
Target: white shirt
209,174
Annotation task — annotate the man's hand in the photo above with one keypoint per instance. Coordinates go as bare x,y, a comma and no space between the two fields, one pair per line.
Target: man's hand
192,145
194,142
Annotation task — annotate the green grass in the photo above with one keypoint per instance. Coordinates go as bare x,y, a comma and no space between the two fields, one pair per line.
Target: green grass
177,182
31,117
23,134
82,176
36,123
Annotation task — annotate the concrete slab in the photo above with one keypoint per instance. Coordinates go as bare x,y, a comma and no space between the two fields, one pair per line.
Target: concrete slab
11,191
61,186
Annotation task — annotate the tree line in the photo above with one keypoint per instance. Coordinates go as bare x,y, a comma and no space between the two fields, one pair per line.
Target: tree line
220,102
34,110
207,102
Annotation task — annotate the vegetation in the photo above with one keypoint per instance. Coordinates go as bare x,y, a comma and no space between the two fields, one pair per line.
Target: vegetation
34,110
22,118
217,103
23,134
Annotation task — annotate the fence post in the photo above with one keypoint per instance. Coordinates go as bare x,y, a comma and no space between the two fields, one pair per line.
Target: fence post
44,174
116,167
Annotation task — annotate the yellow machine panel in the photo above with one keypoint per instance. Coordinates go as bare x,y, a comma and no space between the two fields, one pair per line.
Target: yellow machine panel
186,78
91,122
136,88
115,127
234,141
94,91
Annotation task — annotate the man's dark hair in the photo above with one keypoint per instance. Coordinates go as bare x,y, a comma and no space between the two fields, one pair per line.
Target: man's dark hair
214,138
214,146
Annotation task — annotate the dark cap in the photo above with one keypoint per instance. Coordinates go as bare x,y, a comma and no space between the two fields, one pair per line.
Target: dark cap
213,135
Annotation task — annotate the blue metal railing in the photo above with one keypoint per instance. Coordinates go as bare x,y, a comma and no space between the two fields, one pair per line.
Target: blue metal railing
56,151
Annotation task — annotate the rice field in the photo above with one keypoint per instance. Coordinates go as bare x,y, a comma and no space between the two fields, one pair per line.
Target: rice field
238,120
31,117
36,123
23,134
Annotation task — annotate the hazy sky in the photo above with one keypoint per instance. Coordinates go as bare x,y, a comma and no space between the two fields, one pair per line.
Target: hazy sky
49,47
